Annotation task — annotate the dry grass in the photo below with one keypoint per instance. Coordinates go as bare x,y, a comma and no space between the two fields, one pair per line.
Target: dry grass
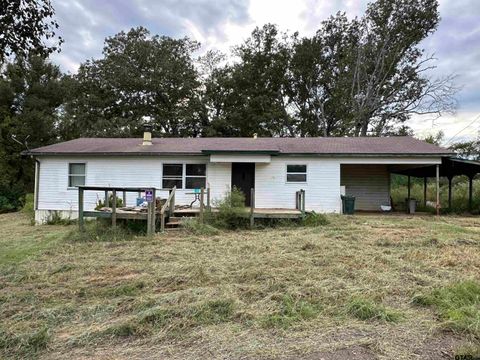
274,293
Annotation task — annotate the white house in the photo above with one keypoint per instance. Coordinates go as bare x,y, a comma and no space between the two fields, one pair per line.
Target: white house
276,168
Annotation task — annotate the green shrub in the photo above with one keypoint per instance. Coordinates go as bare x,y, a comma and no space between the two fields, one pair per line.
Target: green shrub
313,219
230,213
101,203
458,305
12,198
365,309
28,207
56,218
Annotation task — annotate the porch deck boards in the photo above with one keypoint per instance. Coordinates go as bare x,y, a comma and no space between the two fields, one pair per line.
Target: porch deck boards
257,212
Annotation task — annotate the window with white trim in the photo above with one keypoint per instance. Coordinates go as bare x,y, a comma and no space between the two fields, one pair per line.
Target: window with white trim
195,176
296,173
76,174
172,176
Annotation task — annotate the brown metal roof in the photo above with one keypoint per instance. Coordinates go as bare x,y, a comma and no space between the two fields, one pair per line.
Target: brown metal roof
394,146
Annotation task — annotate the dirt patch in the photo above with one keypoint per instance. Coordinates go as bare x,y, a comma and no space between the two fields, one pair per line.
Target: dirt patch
442,346
353,352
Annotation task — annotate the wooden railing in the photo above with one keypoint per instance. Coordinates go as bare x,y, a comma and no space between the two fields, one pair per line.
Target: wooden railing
170,206
300,201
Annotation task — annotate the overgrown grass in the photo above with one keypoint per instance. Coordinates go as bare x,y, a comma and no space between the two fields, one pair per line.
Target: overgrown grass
98,230
291,311
279,292
366,309
24,344
459,194
458,306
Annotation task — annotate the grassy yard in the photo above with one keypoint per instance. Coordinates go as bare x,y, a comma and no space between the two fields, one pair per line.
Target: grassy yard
363,287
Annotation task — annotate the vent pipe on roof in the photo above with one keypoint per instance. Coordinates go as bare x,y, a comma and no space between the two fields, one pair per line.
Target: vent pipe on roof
147,133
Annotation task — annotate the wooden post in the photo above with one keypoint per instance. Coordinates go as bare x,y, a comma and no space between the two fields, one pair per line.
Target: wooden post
437,183
149,219
450,192
408,186
208,198
114,209
202,205
154,212
303,201
124,199
425,192
105,203
470,192
252,207
171,206
162,222
80,209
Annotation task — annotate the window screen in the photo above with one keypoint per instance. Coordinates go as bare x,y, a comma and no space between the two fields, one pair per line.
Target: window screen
195,176
76,174
296,173
172,176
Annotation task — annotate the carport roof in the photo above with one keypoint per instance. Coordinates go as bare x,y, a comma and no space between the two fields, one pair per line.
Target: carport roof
450,167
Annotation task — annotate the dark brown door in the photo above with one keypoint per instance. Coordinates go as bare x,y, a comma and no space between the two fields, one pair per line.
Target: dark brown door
243,178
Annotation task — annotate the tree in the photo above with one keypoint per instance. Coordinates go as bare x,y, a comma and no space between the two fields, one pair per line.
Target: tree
467,149
249,96
27,26
140,75
31,93
368,76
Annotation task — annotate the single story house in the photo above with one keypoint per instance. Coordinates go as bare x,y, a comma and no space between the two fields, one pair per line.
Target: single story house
276,168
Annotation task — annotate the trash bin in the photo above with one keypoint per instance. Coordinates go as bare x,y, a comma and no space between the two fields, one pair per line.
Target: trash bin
411,205
348,204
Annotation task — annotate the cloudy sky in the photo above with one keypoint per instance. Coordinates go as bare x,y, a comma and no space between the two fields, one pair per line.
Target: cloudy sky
220,24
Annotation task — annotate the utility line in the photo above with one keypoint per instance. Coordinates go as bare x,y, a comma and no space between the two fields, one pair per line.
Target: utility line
466,127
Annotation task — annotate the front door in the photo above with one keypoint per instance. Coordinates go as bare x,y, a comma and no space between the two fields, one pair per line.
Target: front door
243,178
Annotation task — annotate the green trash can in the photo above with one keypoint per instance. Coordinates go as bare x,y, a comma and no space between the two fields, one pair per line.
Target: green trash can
348,204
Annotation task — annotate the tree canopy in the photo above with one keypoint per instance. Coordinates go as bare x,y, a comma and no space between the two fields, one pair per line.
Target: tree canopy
27,26
361,76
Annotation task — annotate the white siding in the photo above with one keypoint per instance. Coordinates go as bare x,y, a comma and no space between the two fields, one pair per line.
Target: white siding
219,179
322,189
54,193
370,184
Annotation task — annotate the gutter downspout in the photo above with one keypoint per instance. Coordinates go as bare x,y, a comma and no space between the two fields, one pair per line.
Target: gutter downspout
37,184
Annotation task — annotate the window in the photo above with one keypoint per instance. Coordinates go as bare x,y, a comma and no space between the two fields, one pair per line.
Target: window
76,174
172,176
195,176
296,173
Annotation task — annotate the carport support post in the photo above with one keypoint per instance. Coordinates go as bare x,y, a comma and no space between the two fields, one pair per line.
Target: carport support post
470,191
80,209
450,192
408,186
114,209
437,184
425,192
252,207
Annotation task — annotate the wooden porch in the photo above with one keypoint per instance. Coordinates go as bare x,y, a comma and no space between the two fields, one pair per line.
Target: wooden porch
168,213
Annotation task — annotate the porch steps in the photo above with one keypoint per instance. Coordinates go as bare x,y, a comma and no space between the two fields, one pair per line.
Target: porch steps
176,222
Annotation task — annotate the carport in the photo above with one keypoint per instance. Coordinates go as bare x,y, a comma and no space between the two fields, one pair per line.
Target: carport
449,168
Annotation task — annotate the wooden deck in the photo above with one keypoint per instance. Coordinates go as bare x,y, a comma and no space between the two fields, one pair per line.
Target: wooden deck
271,213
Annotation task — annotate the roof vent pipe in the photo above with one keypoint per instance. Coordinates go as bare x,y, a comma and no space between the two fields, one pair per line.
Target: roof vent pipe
147,134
